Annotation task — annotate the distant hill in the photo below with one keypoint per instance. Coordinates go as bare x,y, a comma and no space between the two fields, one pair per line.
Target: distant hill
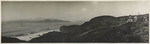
38,21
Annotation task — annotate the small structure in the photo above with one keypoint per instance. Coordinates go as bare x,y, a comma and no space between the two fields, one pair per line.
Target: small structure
130,18
145,19
135,18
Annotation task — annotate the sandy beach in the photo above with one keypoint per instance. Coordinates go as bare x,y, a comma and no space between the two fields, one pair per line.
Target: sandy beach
29,36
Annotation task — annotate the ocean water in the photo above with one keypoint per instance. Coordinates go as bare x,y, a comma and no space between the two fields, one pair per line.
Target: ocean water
23,29
28,37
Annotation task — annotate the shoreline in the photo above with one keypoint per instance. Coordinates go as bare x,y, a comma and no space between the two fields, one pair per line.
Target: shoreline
30,36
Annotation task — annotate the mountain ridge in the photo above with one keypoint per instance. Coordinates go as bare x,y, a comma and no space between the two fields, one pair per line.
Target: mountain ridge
43,20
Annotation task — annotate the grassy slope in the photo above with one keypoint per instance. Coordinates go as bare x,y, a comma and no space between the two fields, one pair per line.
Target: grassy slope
126,32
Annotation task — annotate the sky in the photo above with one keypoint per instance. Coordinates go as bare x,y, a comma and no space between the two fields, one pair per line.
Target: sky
70,10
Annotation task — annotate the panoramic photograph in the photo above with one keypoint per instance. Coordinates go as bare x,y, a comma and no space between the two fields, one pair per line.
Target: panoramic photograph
75,22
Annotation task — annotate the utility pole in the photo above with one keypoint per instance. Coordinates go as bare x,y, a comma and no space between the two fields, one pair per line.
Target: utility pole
138,13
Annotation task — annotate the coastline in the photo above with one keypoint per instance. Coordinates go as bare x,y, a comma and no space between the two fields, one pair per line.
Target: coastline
29,36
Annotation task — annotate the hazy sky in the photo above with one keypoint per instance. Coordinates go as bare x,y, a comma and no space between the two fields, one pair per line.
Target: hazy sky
72,11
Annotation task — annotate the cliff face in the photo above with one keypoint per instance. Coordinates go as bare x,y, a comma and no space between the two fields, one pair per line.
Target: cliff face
103,29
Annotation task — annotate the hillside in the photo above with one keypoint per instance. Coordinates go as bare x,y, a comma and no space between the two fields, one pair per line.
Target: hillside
102,29
49,37
121,31
129,32
11,40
